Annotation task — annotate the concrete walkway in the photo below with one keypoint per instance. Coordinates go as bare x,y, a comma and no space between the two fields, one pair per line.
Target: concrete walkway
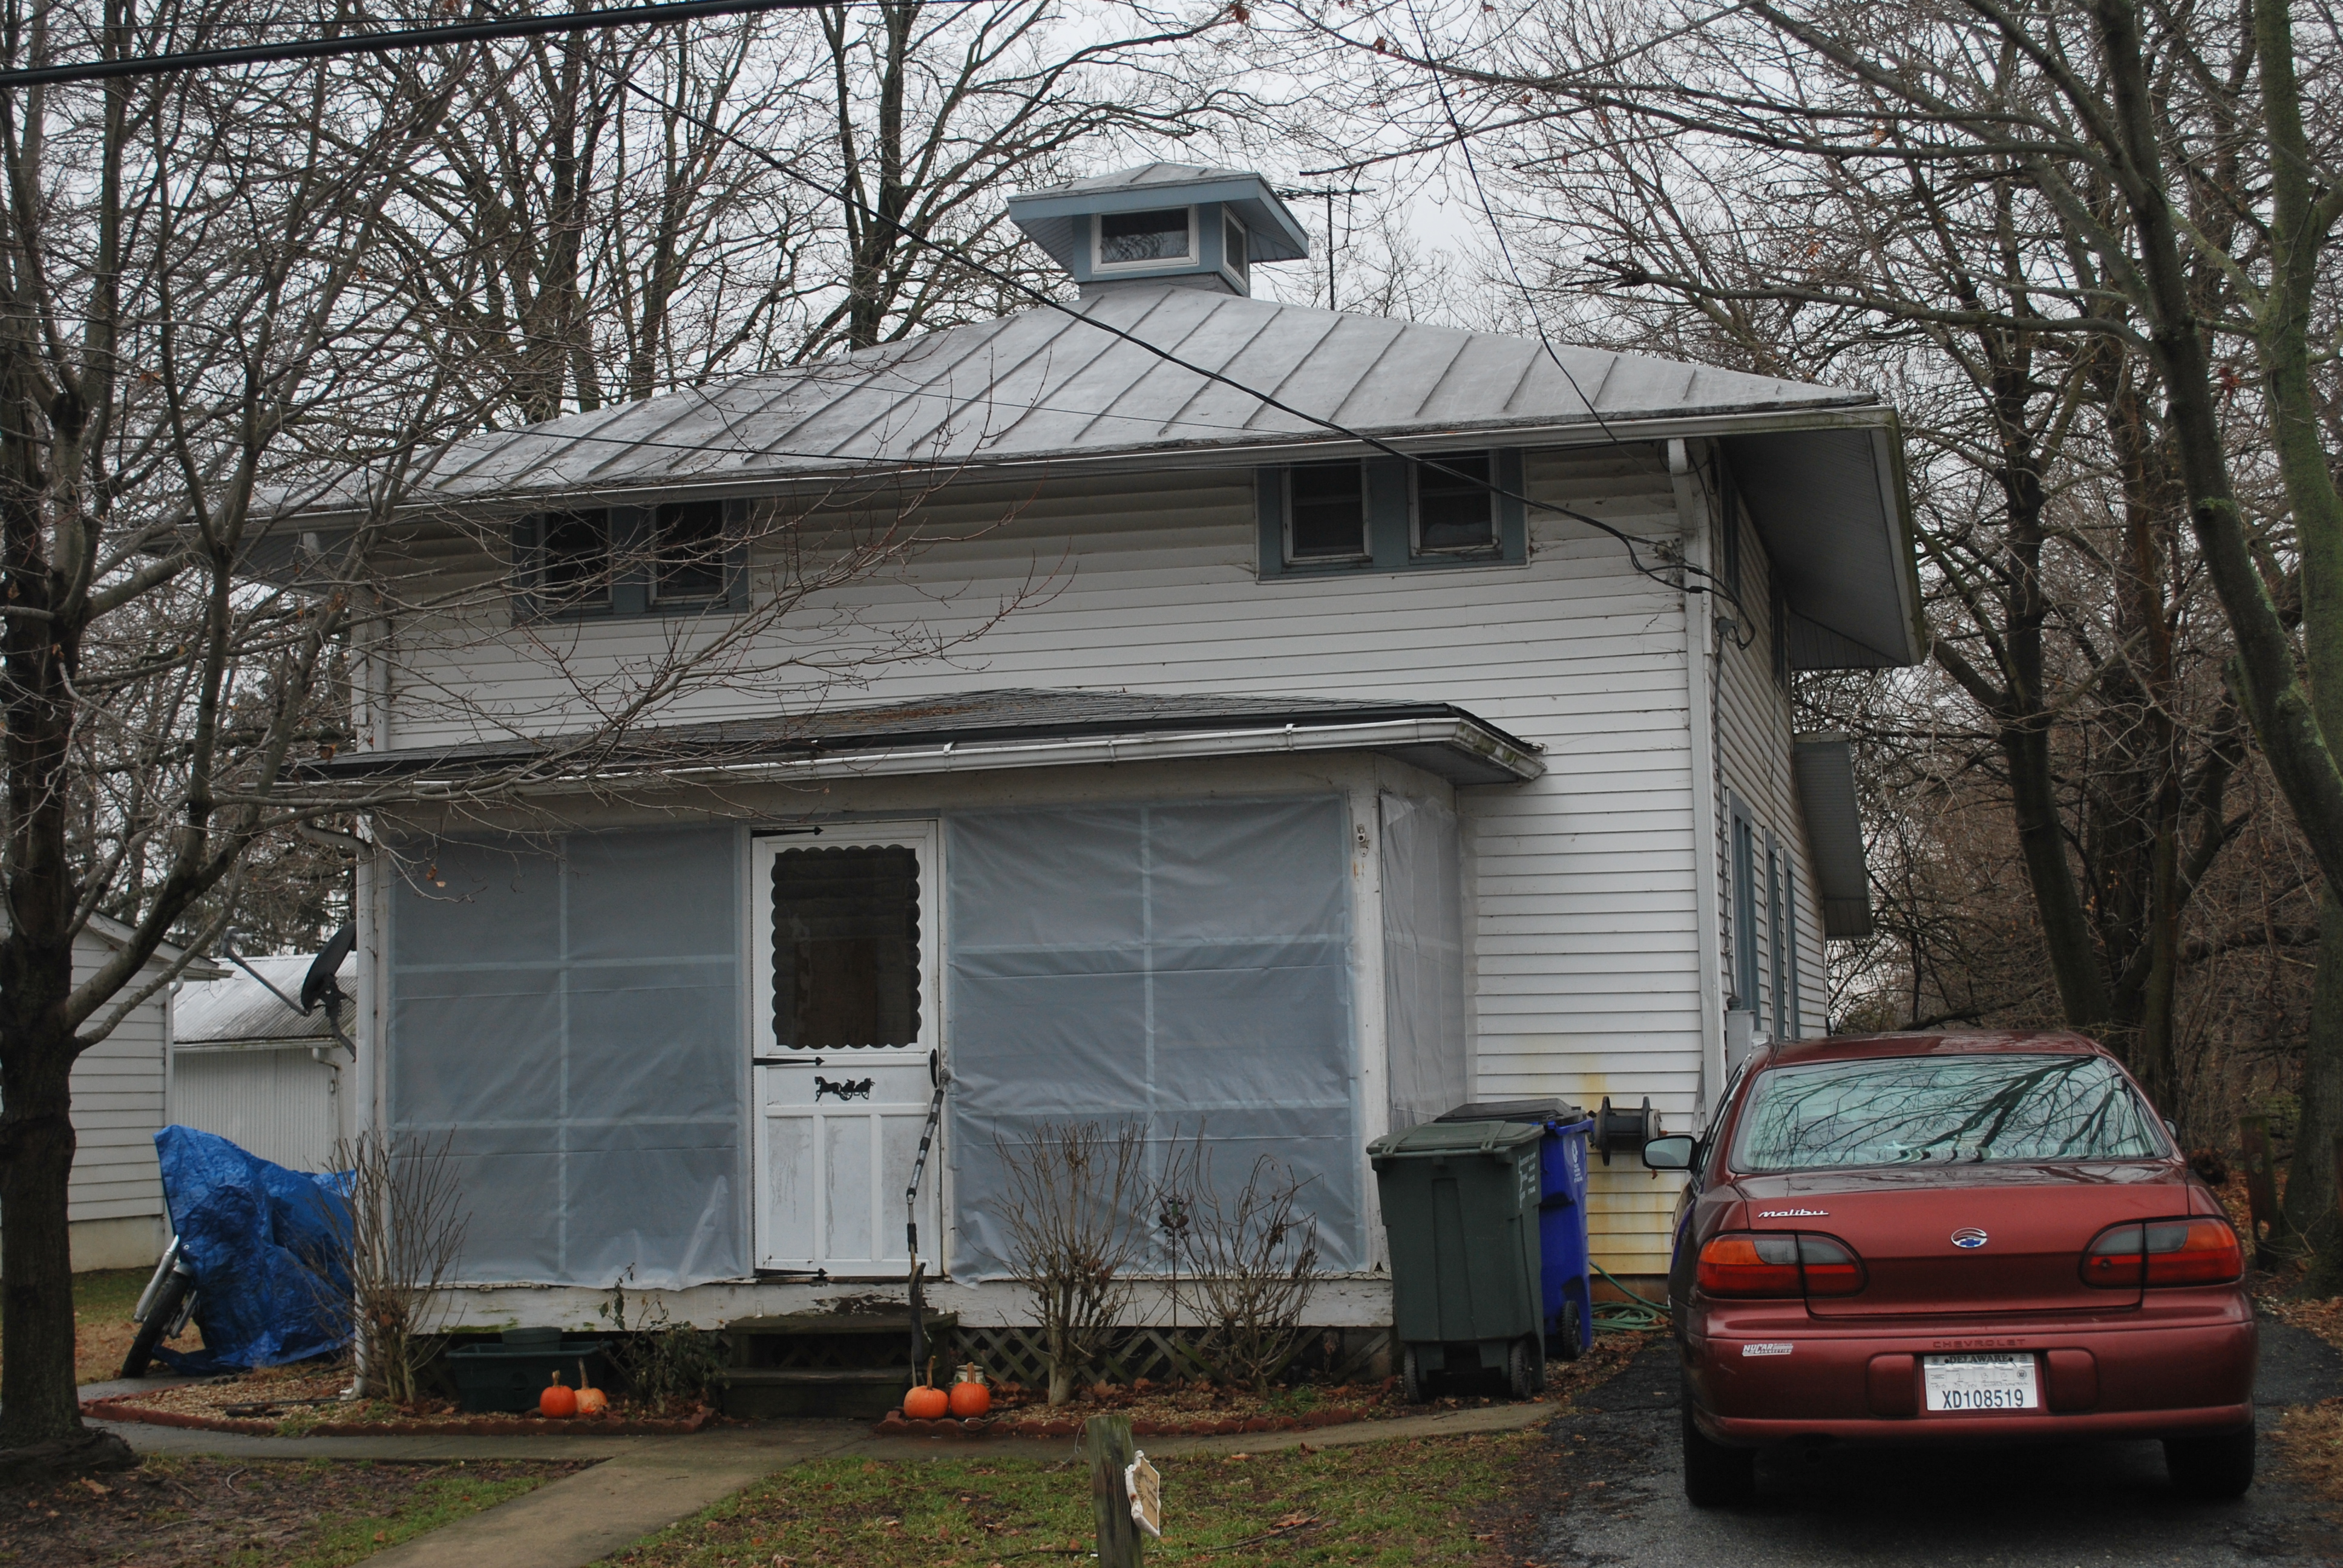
645,1484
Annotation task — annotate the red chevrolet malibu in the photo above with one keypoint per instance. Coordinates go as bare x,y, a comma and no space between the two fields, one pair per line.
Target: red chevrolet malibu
1981,1237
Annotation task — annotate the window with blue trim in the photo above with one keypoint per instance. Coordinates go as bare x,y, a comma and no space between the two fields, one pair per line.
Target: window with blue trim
1440,509
681,557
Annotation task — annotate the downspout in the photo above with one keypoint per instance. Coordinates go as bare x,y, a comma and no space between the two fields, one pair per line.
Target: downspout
1701,715
370,902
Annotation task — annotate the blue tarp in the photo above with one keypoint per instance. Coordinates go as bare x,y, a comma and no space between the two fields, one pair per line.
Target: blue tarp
252,1232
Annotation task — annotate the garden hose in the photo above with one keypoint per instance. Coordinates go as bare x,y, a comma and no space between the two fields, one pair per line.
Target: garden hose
1633,1315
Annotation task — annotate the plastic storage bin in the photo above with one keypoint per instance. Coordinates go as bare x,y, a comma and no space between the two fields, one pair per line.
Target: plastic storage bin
510,1374
1460,1208
1565,1290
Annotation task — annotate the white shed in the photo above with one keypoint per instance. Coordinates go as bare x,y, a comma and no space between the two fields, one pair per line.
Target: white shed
248,1066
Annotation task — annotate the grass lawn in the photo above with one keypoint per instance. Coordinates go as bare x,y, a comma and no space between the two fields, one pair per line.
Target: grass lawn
102,1327
199,1513
1424,1503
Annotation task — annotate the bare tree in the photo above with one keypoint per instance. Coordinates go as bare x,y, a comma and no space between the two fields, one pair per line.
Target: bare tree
1070,1207
1250,1260
2170,196
393,1244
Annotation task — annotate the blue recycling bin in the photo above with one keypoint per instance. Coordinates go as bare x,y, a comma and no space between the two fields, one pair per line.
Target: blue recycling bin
1565,1292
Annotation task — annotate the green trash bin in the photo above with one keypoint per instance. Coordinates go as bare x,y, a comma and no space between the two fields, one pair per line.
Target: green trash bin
1460,1203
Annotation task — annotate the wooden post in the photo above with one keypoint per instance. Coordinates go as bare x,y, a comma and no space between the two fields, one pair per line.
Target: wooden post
1106,1439
2261,1184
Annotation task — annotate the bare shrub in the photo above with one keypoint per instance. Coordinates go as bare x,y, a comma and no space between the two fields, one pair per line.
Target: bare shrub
664,1362
1251,1262
398,1238
1073,1190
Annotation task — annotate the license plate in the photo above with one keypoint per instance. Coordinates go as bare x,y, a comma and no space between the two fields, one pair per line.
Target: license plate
1991,1381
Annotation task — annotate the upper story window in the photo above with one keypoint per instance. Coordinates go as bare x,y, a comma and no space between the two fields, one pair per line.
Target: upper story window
688,551
1327,507
1146,238
632,560
1455,508
1393,514
573,561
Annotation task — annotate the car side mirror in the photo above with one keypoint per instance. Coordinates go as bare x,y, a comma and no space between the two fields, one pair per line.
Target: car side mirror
1673,1152
2172,1127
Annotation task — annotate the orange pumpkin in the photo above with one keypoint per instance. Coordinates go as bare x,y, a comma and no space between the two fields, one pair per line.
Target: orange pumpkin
591,1401
969,1397
557,1401
927,1402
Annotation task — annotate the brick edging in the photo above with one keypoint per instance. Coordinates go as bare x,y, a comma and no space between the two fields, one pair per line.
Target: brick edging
897,1424
117,1408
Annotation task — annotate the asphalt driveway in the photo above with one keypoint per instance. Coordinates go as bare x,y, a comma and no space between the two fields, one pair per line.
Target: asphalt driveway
1620,1489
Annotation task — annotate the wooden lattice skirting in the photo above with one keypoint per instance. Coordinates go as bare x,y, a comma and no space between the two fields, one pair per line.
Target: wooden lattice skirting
1159,1355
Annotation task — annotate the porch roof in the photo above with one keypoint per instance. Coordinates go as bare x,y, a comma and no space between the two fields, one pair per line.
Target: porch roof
981,730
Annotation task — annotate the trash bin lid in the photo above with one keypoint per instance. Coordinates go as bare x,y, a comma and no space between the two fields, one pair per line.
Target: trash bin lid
1445,1136
1515,1110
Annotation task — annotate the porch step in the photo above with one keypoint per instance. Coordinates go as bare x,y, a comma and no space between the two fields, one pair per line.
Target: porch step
827,1364
759,1393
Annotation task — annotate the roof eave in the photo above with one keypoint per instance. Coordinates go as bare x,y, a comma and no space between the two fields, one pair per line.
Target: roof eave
1858,410
1459,748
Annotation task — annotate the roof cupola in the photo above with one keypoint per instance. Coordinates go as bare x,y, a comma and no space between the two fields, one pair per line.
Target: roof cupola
1161,223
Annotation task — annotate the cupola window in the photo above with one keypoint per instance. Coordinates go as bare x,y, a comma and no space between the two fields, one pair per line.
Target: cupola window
1144,239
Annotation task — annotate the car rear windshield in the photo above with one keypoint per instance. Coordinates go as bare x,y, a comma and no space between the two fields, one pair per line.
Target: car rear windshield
1942,1111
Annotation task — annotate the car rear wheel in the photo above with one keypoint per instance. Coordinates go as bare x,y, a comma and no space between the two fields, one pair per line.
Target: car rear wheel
2211,1468
1716,1476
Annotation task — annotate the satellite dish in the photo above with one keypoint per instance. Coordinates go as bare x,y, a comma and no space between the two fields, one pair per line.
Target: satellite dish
319,985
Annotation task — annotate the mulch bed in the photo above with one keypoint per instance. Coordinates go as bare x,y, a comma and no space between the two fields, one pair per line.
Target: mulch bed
306,1402
897,1424
205,1512
122,1407
1201,1409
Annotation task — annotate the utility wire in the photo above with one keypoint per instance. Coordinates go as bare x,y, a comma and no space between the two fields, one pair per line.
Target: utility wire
1018,285
685,10
1462,140
403,38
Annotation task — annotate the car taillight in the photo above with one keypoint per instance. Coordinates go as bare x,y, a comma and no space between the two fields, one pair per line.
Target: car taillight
1831,1269
2200,1251
1778,1263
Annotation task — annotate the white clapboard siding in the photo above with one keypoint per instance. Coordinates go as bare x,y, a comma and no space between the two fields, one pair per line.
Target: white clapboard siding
1754,725
118,1106
1586,949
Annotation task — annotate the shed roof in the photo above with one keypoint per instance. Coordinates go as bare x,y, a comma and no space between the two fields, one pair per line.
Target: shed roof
236,1007
1002,729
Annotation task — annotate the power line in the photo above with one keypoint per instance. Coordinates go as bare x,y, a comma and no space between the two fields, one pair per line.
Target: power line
685,10
1018,285
403,38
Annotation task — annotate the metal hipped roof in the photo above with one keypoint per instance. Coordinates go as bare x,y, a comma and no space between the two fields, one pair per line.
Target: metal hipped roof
984,731
1826,770
237,1009
1045,386
1819,468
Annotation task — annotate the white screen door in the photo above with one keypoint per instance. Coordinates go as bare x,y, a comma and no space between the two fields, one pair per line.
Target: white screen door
846,1016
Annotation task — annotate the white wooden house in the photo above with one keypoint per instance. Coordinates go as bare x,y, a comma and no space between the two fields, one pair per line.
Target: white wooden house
1328,782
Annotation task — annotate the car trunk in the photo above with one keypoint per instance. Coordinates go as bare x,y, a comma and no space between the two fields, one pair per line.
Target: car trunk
2037,1220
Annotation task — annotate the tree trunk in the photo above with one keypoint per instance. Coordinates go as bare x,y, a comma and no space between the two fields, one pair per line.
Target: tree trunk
37,1401
2310,1197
